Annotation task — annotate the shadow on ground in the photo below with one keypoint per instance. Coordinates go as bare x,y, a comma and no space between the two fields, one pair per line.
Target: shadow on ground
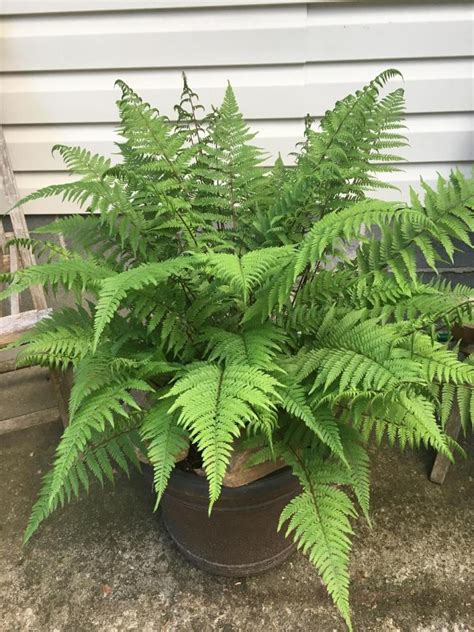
106,563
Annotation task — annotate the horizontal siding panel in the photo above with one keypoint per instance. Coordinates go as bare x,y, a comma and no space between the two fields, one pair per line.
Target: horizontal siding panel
430,39
432,139
239,18
12,7
99,105
213,76
245,36
226,47
277,93
284,58
158,22
409,177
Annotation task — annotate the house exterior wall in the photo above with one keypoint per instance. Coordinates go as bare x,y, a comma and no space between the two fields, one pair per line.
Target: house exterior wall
59,60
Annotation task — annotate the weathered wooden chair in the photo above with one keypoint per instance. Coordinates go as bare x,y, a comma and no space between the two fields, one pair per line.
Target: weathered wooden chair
16,322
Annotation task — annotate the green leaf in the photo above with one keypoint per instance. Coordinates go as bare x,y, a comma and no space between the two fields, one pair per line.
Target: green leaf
164,440
244,273
114,289
318,518
215,403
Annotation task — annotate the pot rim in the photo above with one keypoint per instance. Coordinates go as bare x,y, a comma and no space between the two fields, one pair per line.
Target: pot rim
189,484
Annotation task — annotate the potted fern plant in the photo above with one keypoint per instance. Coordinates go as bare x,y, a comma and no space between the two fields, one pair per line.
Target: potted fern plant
281,307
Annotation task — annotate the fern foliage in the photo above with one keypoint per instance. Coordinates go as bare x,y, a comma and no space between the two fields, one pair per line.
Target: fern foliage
281,306
215,403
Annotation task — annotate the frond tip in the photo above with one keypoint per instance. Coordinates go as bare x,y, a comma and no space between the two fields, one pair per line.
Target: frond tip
164,440
319,521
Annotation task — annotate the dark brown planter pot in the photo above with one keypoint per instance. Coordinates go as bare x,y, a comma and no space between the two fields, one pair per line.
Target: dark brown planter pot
240,537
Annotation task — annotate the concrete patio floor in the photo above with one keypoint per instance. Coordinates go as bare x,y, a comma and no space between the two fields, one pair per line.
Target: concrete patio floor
105,563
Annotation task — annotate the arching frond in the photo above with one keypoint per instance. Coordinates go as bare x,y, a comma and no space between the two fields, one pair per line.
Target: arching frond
319,520
164,440
255,345
115,288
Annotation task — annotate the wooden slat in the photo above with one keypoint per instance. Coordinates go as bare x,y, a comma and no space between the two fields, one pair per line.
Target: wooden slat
17,218
12,327
4,263
9,263
4,267
29,420
441,464
14,298
8,360
3,241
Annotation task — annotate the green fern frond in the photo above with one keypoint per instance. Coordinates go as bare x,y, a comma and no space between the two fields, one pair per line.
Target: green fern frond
231,160
321,422
439,363
95,413
73,273
465,403
82,162
449,211
244,273
214,405
115,288
95,416
401,416
164,440
116,444
319,520
255,345
95,371
359,466
58,341
348,223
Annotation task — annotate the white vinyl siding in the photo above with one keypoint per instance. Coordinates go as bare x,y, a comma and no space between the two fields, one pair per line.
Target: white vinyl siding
59,60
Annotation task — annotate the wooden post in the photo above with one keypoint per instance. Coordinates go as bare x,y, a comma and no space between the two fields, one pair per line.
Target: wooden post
4,259
14,298
442,463
3,238
453,425
12,326
62,383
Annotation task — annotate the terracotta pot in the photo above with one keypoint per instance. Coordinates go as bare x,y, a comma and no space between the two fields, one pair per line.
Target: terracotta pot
465,333
240,537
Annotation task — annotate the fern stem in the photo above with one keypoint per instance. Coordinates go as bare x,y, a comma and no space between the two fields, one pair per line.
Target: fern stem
96,446
439,317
